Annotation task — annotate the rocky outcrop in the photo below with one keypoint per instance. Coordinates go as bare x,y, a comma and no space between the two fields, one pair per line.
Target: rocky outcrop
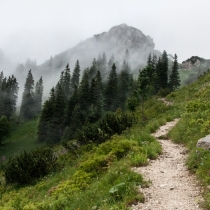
204,143
114,42
195,62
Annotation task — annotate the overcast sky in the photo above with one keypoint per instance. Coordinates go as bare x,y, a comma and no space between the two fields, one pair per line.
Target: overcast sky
37,29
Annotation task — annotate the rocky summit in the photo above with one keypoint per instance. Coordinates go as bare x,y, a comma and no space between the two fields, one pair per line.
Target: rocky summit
114,42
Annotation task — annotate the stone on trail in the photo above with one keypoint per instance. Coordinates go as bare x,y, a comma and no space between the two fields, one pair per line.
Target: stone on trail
204,143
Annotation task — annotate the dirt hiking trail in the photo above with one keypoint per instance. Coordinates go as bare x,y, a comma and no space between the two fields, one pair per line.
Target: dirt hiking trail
172,186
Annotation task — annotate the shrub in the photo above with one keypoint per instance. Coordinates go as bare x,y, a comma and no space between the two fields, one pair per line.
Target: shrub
29,166
104,129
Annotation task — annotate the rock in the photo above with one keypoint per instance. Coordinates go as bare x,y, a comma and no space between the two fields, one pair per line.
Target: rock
204,143
163,185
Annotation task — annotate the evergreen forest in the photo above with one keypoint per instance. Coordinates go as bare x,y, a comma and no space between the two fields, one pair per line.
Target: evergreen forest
75,150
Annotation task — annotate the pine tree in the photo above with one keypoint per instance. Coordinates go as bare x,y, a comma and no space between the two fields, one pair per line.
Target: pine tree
27,109
111,91
144,87
84,95
149,60
93,70
38,95
76,76
96,98
46,118
66,83
158,73
70,106
164,71
57,122
8,96
4,128
123,87
174,80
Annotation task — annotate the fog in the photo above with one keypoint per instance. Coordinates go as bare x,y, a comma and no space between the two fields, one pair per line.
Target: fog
38,29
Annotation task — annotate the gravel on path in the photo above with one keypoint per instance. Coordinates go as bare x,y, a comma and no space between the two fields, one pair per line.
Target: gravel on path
172,186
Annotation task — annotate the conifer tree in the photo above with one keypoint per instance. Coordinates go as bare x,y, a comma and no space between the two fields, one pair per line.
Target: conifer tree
4,128
66,83
38,95
76,76
8,96
164,71
70,106
96,98
27,109
123,87
104,63
174,80
111,91
84,95
149,60
46,118
93,70
57,123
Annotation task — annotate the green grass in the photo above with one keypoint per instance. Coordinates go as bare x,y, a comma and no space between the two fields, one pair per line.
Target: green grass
101,177
23,137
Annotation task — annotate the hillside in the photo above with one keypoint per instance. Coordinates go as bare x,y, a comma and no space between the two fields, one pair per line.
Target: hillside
101,177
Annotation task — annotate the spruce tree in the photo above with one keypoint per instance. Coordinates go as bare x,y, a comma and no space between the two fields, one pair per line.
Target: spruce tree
27,109
38,95
66,83
111,91
164,71
123,87
8,96
4,128
46,118
70,106
174,80
84,95
76,76
93,70
96,98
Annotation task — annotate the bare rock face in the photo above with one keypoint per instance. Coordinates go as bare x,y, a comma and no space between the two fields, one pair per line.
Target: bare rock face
204,143
114,42
195,62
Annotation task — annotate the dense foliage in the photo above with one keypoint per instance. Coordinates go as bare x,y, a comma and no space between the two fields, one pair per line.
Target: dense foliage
31,99
29,166
8,95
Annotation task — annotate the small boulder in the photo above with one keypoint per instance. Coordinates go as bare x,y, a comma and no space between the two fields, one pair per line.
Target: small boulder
204,143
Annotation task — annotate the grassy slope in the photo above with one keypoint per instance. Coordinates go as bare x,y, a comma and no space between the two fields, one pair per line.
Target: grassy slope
100,177
23,137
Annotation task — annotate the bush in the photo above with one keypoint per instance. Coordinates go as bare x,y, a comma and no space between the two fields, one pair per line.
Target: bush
110,125
29,166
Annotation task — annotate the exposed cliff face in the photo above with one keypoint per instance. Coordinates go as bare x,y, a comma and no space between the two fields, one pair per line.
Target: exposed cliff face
195,62
114,42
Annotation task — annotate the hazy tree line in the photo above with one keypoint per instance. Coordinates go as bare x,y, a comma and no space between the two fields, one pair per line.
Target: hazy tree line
31,100
75,103
82,106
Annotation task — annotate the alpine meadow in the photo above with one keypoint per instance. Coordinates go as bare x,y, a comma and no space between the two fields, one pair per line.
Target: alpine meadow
76,130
